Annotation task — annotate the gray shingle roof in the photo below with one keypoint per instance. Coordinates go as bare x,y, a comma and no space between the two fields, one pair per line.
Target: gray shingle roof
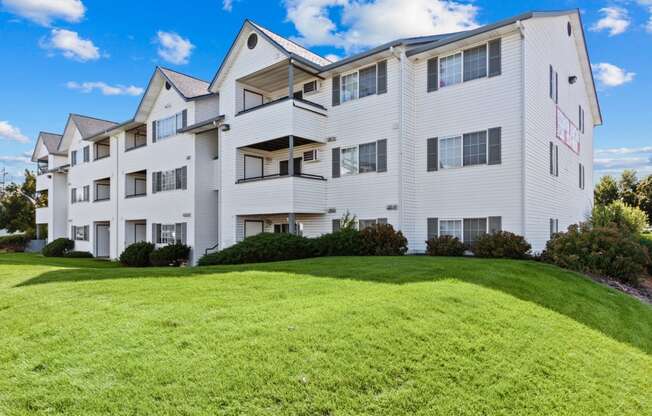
187,86
293,47
89,126
51,141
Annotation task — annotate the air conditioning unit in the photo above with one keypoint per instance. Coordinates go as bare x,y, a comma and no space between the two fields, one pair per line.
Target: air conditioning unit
311,87
311,156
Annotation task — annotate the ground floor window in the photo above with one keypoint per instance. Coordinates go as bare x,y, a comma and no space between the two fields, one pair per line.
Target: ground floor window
169,233
79,233
452,228
473,229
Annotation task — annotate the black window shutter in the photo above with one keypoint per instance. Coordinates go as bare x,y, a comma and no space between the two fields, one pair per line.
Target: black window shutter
556,160
382,77
495,146
154,228
184,119
432,154
181,177
495,58
381,155
336,162
154,182
153,131
556,87
336,225
433,75
336,90
495,224
433,228
552,158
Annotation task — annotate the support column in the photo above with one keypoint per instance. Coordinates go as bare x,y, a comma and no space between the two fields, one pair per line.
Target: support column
292,220
38,231
291,216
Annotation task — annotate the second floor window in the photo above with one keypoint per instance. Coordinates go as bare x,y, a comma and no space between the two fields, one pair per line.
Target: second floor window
366,157
450,70
169,180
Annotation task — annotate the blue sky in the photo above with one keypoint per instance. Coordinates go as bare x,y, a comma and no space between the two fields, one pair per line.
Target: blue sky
95,57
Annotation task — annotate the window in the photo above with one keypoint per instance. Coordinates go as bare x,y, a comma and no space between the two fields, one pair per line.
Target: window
450,70
368,81
168,126
554,226
136,184
362,224
451,227
84,197
582,176
73,195
473,229
554,85
349,87
367,153
475,148
581,119
475,63
450,152
170,233
86,193
87,154
73,158
349,161
554,159
169,180
136,138
281,228
80,233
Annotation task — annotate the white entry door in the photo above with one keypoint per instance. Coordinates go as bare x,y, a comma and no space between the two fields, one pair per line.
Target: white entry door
102,240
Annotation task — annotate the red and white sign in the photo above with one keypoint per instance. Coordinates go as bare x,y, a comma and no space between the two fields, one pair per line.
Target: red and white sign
568,132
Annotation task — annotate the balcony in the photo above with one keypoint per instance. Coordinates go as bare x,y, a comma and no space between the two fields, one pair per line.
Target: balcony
281,118
43,182
277,194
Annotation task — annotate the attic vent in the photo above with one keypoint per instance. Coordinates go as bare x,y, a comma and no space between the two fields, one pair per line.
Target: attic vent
311,156
252,41
309,87
167,85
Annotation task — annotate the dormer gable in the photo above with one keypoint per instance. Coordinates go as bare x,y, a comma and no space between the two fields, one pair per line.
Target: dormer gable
79,127
46,144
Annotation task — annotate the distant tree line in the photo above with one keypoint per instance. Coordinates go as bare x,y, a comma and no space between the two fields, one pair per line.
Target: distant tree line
627,189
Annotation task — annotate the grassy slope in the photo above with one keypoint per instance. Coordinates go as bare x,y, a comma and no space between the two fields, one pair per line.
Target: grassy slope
326,336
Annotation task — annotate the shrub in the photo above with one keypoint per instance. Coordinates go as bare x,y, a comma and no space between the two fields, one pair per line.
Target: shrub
170,255
263,248
346,242
646,241
14,243
58,247
629,219
137,254
383,240
502,245
446,245
78,255
606,251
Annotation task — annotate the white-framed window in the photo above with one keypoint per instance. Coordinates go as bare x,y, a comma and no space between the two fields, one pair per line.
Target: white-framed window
349,161
87,154
367,157
170,233
475,63
475,148
349,87
168,127
450,152
474,228
170,180
73,158
452,228
79,233
450,70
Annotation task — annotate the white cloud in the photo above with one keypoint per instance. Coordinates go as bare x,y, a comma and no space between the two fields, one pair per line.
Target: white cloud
624,150
44,12
613,161
105,88
15,159
227,5
173,48
9,132
615,19
610,75
332,57
365,23
71,45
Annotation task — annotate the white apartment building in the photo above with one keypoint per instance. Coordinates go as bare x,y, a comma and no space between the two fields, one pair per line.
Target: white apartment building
457,134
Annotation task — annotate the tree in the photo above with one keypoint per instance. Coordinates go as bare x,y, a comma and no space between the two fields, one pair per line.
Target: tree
627,187
606,191
644,193
18,204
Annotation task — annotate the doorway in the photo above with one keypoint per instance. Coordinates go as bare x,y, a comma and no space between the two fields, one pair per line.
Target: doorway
102,240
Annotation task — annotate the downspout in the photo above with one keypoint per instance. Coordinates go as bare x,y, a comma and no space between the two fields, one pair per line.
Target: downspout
117,198
399,56
521,29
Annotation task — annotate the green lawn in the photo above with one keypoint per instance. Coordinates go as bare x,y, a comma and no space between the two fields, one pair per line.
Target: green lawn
332,336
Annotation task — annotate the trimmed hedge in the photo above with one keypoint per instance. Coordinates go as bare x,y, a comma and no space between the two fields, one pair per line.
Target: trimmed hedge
171,255
445,245
137,254
502,245
58,247
605,251
346,242
263,247
78,255
383,240
14,243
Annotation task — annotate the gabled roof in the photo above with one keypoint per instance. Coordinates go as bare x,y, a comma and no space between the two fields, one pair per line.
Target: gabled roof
292,47
50,142
287,47
189,87
89,126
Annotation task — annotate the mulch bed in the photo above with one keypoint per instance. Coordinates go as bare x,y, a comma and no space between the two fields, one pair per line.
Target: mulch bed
643,292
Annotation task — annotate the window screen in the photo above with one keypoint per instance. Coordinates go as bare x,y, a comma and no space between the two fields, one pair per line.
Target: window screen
368,81
450,152
349,87
451,227
349,161
475,63
367,157
450,69
475,148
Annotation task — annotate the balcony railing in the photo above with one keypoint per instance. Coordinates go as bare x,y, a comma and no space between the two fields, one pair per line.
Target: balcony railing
278,175
280,100
278,194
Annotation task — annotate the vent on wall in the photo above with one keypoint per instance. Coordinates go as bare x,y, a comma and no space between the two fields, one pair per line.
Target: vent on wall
310,87
311,156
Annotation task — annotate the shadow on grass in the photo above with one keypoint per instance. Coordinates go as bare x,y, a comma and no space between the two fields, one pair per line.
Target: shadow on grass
614,314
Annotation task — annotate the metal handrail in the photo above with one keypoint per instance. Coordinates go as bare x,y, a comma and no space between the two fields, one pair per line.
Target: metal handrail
278,175
280,100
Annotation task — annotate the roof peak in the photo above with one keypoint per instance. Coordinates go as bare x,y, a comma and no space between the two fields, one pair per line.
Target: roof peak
163,68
